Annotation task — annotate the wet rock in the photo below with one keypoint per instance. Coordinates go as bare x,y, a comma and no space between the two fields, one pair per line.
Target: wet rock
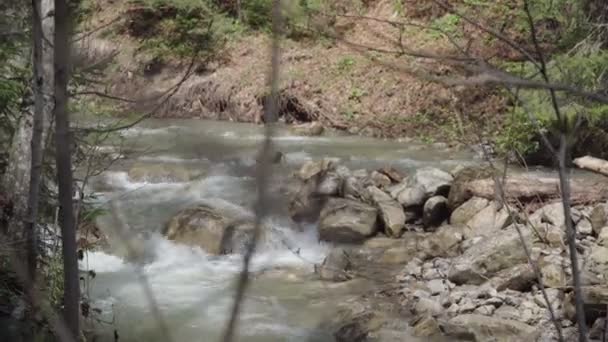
434,181
426,326
380,180
347,221
489,256
599,217
488,221
519,278
468,210
316,180
335,266
435,211
314,128
216,230
391,212
484,328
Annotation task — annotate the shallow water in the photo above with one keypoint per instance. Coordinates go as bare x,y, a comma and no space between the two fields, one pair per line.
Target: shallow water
185,162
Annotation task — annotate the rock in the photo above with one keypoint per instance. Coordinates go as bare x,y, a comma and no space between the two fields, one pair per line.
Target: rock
486,310
490,255
353,189
335,266
488,221
214,229
444,242
602,238
411,196
584,227
428,306
347,221
554,296
484,328
391,212
519,278
314,128
329,185
313,168
380,180
392,173
436,286
426,326
598,261
507,312
553,274
434,181
599,217
551,213
598,328
468,210
435,211
458,191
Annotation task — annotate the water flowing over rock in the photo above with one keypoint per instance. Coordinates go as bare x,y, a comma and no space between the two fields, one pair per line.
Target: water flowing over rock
216,230
347,221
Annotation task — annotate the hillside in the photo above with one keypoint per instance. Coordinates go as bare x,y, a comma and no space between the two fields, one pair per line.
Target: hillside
359,66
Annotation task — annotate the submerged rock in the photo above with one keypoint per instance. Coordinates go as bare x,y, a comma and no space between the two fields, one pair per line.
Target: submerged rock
347,221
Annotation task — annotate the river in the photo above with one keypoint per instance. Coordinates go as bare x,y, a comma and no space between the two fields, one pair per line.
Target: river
215,161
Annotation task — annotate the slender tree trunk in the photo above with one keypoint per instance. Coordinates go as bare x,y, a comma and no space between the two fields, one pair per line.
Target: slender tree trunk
71,294
43,106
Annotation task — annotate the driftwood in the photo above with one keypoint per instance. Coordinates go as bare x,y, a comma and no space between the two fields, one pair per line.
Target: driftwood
526,189
592,164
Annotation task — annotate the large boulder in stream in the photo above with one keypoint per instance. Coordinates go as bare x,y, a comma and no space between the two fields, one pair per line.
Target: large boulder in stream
216,229
347,221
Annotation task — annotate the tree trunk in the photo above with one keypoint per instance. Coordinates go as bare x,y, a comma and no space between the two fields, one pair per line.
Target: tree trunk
43,106
71,294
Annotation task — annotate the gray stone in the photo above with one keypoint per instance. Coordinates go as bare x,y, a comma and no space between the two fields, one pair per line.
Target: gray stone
519,278
490,255
347,221
217,229
436,286
487,221
391,212
412,196
426,326
484,328
428,306
335,266
434,181
584,227
486,310
380,180
599,217
435,211
602,238
313,168
467,210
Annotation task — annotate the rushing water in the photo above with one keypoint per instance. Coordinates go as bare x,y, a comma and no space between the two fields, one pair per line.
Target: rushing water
214,161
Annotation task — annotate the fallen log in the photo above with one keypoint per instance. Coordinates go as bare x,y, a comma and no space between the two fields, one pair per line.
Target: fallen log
526,189
592,164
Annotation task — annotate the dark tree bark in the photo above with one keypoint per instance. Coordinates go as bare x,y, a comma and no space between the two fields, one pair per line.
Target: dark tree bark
71,294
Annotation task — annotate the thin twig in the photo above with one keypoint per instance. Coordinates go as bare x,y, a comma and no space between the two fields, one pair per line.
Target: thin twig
263,173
